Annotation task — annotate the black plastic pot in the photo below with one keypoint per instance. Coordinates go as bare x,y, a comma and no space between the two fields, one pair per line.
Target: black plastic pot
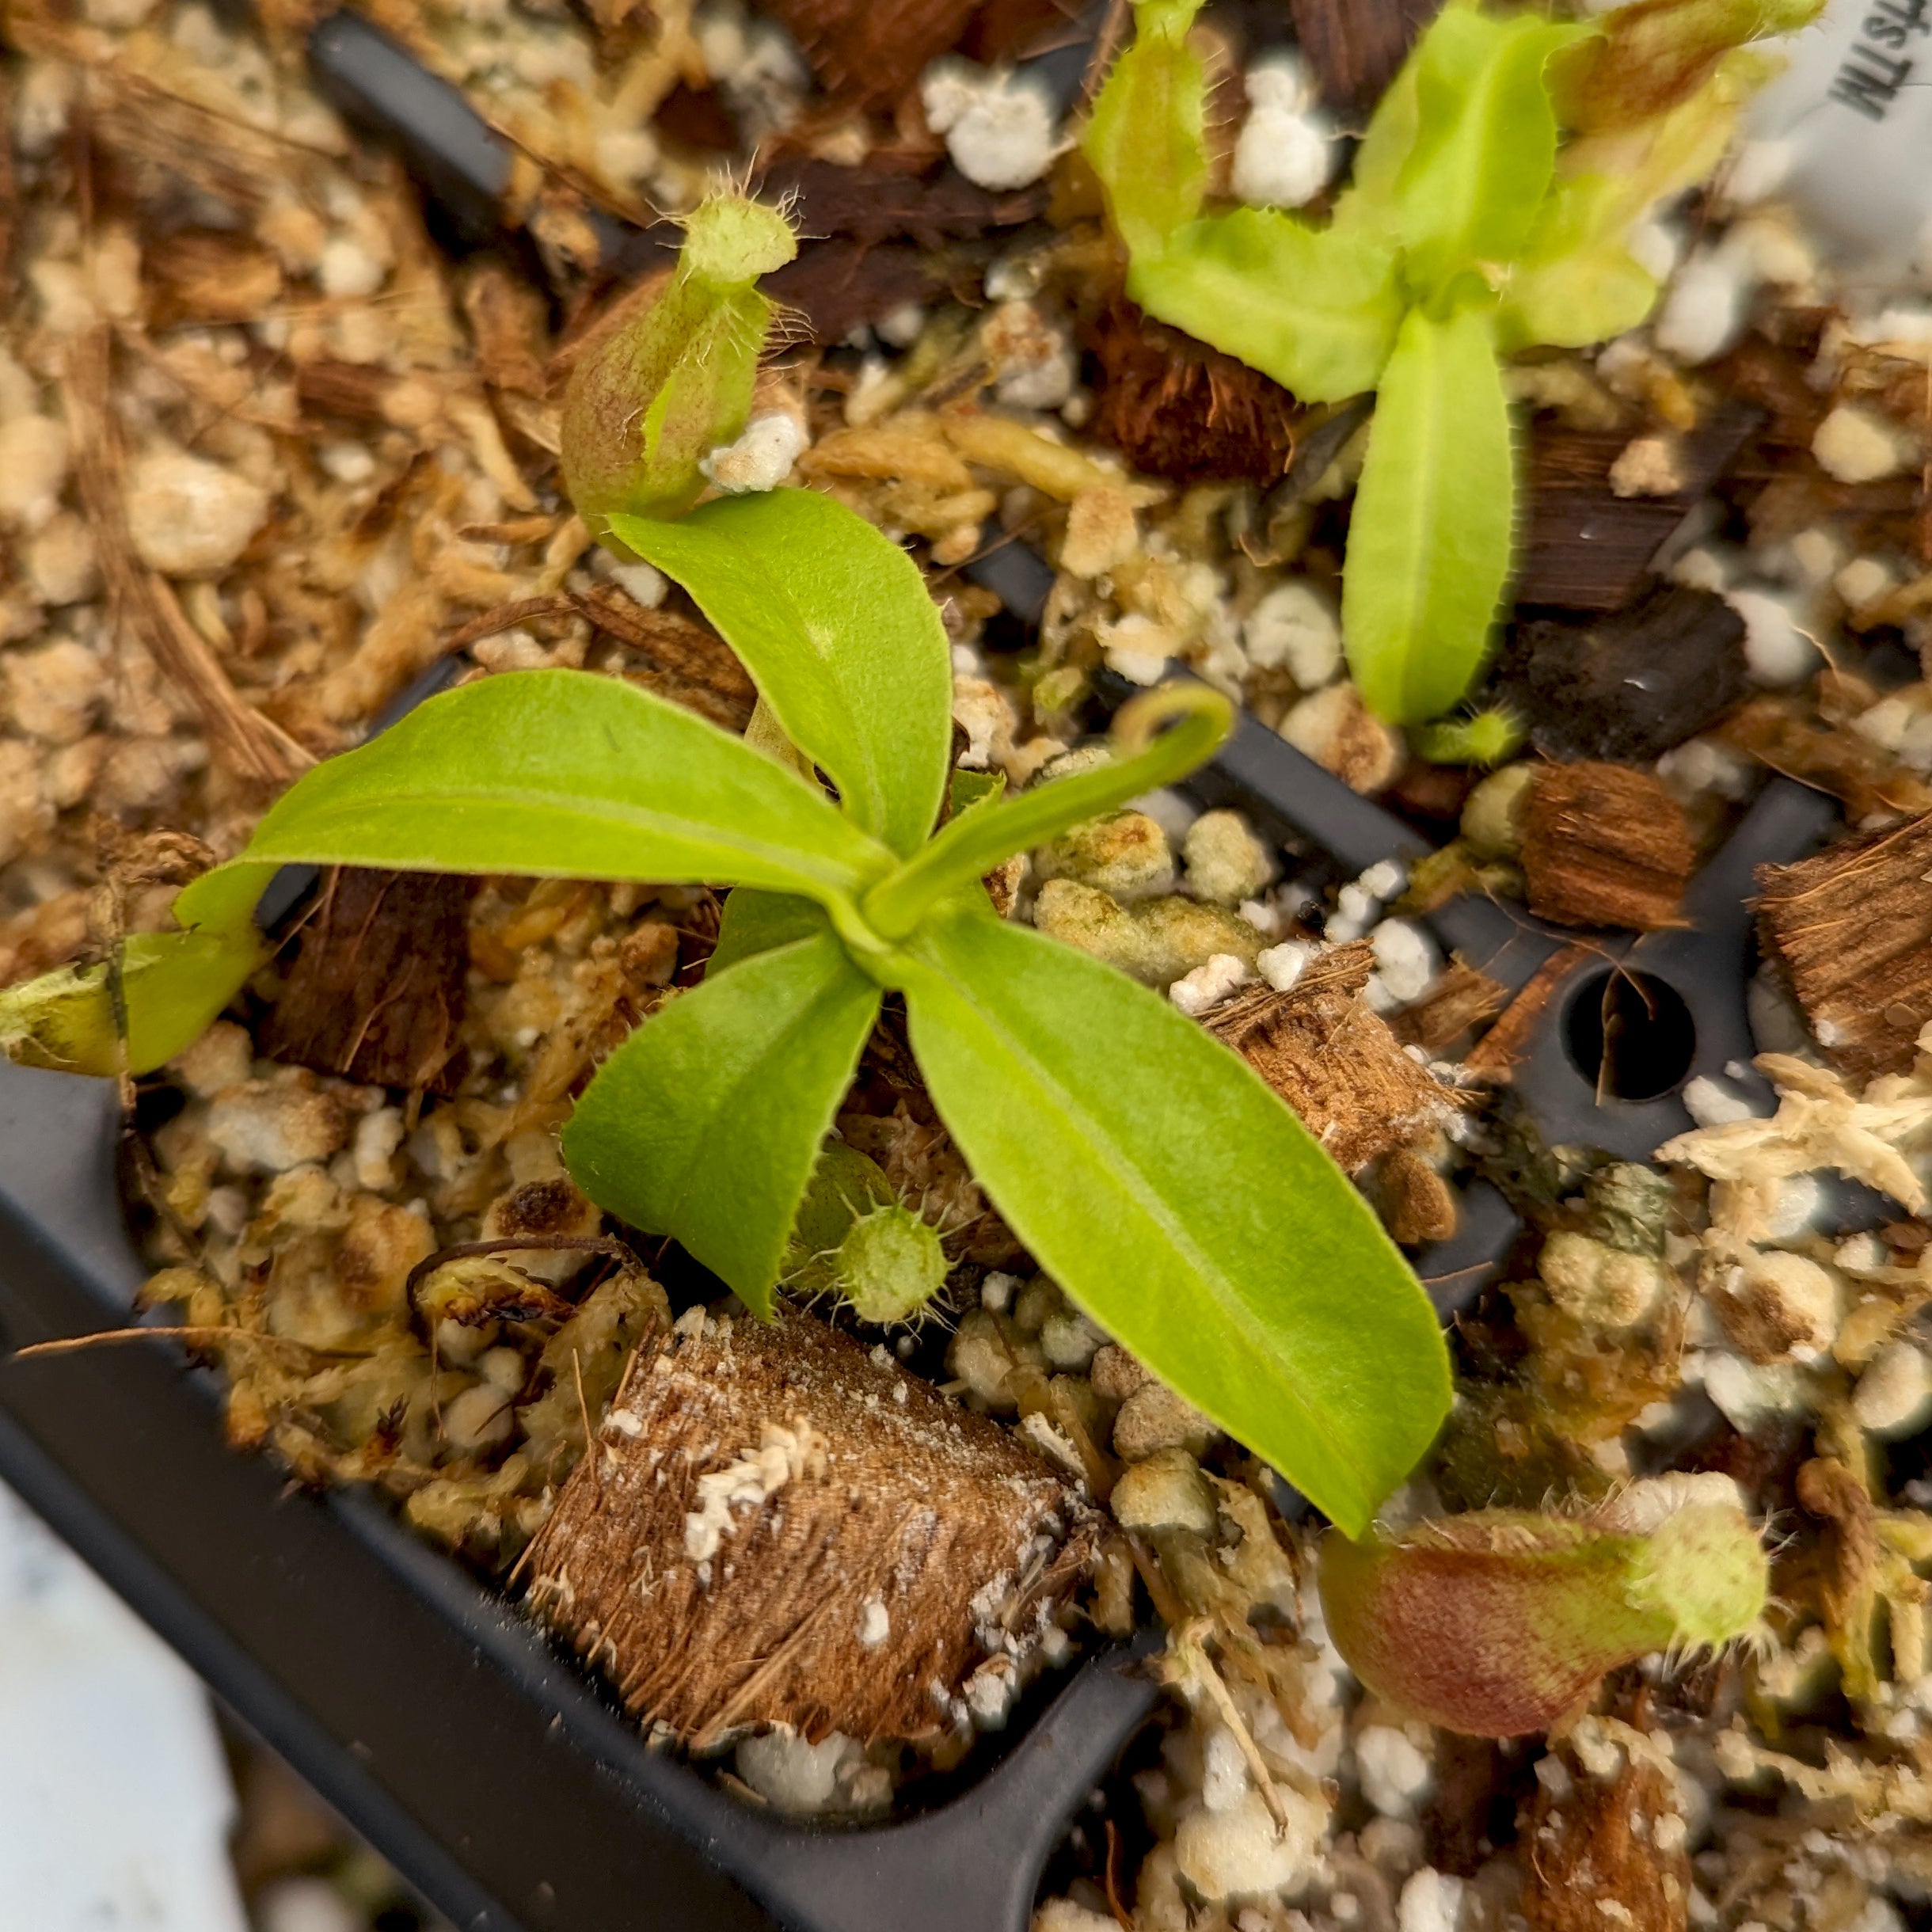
439,1722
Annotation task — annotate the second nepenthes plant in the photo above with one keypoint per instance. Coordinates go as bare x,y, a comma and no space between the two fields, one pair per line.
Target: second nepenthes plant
1169,1192
1471,228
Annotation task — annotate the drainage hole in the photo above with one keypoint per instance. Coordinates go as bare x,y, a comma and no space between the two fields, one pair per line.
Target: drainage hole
1629,1035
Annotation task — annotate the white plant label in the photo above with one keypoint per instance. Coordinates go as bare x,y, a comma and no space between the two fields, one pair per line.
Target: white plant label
1854,109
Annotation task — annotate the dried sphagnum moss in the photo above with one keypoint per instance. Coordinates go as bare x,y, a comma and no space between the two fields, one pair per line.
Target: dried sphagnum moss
304,1214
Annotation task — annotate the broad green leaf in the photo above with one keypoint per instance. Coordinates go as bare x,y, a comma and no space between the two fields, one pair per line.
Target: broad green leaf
1179,1203
560,774
704,1125
1368,203
1429,536
173,986
1316,309
756,922
970,846
1147,139
1485,141
1577,282
833,621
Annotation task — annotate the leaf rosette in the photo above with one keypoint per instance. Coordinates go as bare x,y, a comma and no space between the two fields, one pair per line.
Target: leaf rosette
1168,1190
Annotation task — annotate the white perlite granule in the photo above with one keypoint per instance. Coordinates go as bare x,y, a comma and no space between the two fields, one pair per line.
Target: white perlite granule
187,518
1431,1901
998,127
1853,445
1286,149
782,1455
1207,985
761,459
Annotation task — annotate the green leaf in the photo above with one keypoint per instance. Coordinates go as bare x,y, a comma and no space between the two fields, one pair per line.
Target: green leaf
833,621
1146,140
1429,536
968,790
1179,1203
704,1125
1318,309
557,774
1577,282
1485,141
1368,203
173,986
970,846
756,922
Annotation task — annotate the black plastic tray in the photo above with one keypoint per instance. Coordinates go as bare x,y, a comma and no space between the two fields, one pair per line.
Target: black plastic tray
438,1721
495,1777
442,1724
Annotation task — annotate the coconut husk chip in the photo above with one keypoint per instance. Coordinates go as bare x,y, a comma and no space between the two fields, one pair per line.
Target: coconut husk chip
780,1527
1333,1059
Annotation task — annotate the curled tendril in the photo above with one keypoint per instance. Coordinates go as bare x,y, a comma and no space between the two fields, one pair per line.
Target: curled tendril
1142,719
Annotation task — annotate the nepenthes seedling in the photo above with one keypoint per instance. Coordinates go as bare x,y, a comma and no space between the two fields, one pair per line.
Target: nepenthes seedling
1472,229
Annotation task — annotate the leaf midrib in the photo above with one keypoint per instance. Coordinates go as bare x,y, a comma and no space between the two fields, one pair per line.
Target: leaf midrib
1419,505
688,1171
824,867
1220,1288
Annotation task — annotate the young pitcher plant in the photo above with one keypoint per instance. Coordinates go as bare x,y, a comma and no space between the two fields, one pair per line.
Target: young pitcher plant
1469,230
1170,1192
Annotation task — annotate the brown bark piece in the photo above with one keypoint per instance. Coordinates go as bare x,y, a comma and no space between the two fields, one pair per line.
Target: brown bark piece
1495,1055
1594,1843
1016,29
506,316
1629,685
841,285
1354,47
1173,407
1588,548
1852,929
1604,845
358,390
895,194
886,233
778,1529
1463,997
686,661
691,653
1472,1807
1417,1203
1333,1059
868,52
378,991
